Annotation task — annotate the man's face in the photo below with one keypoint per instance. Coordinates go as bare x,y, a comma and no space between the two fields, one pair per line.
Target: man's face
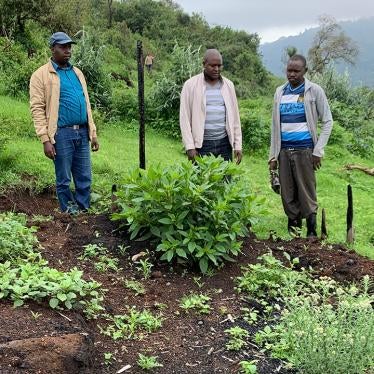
213,67
61,53
295,72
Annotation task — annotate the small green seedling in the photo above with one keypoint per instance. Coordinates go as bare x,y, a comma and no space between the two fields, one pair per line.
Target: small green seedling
236,339
198,302
148,362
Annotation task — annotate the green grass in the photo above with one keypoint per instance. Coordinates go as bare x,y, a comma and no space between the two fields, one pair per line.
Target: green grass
119,152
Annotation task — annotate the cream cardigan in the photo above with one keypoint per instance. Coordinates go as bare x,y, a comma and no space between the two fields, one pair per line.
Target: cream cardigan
193,110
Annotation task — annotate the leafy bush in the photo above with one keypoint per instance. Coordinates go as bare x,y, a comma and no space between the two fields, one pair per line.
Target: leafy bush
16,240
336,86
184,63
88,57
196,212
24,275
323,327
33,280
318,337
255,117
352,118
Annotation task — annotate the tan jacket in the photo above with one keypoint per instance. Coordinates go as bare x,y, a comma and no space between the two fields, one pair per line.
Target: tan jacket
44,102
193,111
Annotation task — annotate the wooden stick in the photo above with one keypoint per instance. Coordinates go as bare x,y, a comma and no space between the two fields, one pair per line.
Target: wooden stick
323,225
350,230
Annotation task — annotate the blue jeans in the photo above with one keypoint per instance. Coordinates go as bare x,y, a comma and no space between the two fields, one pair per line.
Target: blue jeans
73,159
220,147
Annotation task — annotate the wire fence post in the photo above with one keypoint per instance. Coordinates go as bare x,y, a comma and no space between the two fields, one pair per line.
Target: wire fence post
139,55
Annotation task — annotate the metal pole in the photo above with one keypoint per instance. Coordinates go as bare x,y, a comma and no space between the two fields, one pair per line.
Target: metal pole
139,54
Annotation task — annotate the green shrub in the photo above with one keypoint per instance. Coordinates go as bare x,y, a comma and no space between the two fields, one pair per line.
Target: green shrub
196,212
255,117
32,279
184,63
125,104
16,240
318,337
88,57
323,327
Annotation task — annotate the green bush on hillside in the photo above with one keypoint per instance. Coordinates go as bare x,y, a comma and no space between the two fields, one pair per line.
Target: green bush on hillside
196,212
185,62
88,56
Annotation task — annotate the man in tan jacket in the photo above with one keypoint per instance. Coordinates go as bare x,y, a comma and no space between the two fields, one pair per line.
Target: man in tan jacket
62,117
209,114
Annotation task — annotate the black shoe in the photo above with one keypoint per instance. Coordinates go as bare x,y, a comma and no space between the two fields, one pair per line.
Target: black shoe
311,224
294,226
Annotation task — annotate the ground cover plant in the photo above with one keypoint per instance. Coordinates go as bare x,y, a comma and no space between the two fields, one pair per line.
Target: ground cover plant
16,240
25,275
317,325
186,342
196,211
148,362
132,325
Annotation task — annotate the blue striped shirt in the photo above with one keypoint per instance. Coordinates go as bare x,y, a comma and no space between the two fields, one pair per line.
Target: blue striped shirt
72,105
294,128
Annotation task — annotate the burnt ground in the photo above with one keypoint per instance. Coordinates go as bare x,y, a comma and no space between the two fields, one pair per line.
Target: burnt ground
187,342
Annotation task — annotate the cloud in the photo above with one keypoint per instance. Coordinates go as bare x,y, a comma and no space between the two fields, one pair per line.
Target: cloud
270,17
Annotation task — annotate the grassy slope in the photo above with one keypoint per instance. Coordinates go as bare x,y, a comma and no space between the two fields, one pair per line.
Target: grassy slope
119,151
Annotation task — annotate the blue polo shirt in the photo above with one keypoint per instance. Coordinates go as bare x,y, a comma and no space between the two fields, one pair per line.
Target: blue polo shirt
72,107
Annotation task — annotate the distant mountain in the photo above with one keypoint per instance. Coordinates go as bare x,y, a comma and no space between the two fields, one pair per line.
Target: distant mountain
361,31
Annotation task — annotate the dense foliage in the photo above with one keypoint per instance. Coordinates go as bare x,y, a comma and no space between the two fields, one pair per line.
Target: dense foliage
352,109
16,240
196,211
317,325
24,275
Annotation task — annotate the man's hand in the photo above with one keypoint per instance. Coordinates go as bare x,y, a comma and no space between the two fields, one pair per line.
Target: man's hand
94,145
238,155
273,165
49,150
316,162
191,154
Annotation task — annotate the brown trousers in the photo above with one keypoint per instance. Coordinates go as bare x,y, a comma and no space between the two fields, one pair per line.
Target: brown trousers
298,182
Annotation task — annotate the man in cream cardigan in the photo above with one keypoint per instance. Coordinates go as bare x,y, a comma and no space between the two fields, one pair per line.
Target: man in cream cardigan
209,114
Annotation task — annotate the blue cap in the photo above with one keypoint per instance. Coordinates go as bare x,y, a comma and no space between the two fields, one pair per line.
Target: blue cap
60,38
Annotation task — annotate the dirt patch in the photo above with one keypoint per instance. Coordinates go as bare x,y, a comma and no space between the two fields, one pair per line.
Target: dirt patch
187,342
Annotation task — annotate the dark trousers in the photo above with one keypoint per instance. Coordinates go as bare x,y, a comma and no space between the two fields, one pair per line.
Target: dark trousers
220,147
298,182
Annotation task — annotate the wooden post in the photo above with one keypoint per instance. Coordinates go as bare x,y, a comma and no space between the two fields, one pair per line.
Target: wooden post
323,225
350,230
139,54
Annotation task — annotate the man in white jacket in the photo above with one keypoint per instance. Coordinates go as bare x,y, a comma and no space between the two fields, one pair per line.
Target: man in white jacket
295,145
209,114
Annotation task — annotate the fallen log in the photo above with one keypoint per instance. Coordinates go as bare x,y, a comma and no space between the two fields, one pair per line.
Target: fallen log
369,171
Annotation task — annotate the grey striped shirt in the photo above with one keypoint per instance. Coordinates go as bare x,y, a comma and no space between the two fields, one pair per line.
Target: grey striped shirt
215,119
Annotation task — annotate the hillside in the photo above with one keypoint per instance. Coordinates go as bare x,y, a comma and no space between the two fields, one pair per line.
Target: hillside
360,31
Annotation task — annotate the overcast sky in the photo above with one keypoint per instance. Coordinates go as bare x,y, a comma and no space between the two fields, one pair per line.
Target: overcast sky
272,19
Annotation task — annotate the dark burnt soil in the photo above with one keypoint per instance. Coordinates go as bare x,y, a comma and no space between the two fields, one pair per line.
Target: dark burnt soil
187,342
